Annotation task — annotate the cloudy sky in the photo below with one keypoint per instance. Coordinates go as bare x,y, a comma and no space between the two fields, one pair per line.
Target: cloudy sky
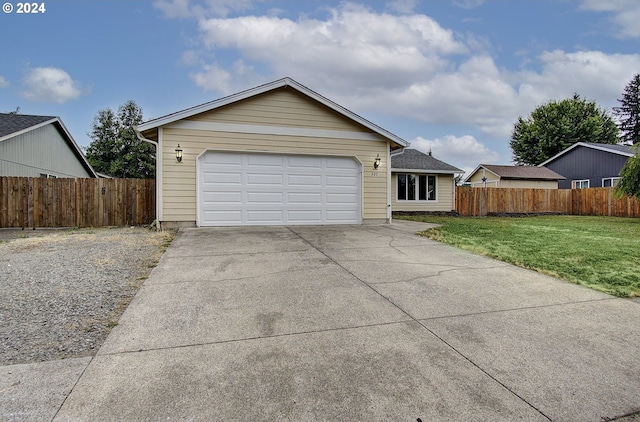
450,76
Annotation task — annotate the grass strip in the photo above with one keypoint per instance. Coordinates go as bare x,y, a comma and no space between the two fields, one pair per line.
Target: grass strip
602,253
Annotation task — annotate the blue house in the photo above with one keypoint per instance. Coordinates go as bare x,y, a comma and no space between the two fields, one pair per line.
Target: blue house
589,165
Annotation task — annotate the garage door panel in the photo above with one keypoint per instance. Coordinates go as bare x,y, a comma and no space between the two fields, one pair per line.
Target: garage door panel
265,197
264,179
304,198
265,217
220,178
304,180
227,160
305,164
222,198
264,160
223,217
269,189
340,181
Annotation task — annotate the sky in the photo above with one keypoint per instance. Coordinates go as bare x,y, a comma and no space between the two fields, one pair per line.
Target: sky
447,76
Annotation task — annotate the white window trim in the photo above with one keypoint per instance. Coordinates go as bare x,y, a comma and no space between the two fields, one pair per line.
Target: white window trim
613,179
414,201
575,182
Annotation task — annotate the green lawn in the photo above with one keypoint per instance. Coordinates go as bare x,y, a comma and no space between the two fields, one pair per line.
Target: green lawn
599,252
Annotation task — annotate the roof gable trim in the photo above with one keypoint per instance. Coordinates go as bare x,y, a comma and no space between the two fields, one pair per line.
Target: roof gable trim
586,145
285,82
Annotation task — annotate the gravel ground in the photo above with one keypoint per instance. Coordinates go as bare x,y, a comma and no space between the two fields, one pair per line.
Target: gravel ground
61,291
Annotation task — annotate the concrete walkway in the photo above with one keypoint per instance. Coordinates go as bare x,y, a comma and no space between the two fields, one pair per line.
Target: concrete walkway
357,323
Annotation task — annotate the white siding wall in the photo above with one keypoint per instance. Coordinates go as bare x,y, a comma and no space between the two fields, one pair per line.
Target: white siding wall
42,150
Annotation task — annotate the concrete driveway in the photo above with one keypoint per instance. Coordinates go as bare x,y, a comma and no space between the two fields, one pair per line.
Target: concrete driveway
358,323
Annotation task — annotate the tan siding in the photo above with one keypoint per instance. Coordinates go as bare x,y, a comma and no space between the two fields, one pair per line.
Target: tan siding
179,179
445,199
476,179
283,107
534,184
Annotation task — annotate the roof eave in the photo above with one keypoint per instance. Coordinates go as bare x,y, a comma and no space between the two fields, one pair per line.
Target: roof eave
403,170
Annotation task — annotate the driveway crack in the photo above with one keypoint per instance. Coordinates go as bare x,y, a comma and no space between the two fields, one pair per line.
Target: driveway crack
412,318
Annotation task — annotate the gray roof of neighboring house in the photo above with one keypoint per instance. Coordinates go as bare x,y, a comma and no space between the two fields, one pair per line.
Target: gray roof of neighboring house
412,159
625,150
12,123
521,172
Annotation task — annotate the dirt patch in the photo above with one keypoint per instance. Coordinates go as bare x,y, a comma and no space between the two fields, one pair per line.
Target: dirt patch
61,291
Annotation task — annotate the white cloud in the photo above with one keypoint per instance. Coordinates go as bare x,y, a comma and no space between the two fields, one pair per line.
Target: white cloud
3,82
625,15
464,152
214,78
403,6
401,65
353,44
592,74
50,84
203,8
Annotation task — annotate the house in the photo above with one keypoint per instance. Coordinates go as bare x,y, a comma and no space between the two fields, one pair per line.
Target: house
276,154
421,183
589,165
491,175
39,146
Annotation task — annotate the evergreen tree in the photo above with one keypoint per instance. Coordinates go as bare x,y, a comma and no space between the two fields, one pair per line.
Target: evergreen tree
115,149
629,183
629,111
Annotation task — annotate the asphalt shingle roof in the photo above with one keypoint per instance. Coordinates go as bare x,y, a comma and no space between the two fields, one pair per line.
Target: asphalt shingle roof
11,123
523,172
416,160
612,147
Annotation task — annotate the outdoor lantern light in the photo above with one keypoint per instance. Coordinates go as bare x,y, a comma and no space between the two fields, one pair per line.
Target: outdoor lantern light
376,162
179,153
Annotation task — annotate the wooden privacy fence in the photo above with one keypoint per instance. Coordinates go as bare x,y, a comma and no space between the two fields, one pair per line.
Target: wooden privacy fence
592,201
41,202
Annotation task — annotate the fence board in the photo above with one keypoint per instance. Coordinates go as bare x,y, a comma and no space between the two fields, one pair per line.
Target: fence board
39,202
592,201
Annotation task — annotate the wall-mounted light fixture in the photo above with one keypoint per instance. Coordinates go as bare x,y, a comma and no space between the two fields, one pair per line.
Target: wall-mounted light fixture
179,154
376,162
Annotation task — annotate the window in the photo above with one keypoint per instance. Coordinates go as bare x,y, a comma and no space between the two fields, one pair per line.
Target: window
609,182
47,176
579,184
416,187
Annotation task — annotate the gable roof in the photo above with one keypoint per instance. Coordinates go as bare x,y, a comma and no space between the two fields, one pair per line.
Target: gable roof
12,125
519,172
284,82
413,160
625,150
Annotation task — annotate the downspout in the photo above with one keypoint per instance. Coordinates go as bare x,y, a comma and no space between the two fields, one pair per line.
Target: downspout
141,137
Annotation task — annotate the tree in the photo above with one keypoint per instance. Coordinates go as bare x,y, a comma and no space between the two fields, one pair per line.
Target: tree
629,183
115,149
629,111
554,126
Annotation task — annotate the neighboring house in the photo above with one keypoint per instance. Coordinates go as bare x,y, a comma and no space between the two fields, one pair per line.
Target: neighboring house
277,154
589,165
422,183
39,146
495,176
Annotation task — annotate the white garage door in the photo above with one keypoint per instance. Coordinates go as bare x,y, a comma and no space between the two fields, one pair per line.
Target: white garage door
271,189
